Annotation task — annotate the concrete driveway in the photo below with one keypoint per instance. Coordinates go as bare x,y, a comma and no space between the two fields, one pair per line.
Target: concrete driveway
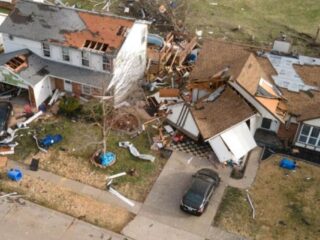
162,203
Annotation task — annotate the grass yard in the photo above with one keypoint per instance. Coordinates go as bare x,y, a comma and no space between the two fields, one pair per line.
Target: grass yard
260,21
78,206
70,158
286,202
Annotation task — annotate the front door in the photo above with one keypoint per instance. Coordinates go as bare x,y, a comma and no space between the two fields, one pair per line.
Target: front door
67,86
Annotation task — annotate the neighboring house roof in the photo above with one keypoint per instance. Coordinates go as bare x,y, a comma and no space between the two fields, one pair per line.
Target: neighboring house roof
215,56
227,110
37,68
66,26
304,105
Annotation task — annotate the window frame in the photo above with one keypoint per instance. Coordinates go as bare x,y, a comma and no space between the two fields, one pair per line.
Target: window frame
106,63
46,50
308,136
264,120
85,58
67,59
88,88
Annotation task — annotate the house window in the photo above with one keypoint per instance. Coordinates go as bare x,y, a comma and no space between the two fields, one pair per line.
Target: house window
46,49
106,63
85,58
266,123
310,135
65,54
86,90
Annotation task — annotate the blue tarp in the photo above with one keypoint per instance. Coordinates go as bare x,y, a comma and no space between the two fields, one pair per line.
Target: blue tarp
287,164
49,140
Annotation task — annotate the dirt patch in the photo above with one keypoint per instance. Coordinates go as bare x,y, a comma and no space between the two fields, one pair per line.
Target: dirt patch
60,199
284,200
127,123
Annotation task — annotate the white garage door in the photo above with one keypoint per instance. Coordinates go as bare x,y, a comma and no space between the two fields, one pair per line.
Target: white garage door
239,140
220,149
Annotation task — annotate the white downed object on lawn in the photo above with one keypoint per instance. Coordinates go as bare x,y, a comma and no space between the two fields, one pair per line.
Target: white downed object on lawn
116,175
9,195
37,142
135,151
114,192
29,120
12,135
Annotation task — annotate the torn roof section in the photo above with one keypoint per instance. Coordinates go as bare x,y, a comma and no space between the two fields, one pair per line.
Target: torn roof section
67,26
255,73
36,68
224,112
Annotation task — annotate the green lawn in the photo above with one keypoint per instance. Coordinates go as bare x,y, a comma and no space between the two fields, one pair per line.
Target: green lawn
258,20
70,158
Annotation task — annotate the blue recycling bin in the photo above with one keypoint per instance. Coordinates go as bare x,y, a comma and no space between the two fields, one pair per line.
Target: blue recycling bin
15,174
287,164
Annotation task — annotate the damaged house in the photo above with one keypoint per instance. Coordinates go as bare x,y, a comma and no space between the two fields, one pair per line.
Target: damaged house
281,87
80,52
239,96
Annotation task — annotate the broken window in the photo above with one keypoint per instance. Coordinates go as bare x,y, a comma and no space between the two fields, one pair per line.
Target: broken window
65,54
86,90
46,50
122,31
106,63
266,123
85,58
98,46
16,62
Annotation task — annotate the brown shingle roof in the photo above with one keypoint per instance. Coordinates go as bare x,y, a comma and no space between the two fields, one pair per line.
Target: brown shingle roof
227,110
215,56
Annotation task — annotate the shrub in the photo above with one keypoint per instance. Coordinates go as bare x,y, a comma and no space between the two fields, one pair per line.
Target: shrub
69,106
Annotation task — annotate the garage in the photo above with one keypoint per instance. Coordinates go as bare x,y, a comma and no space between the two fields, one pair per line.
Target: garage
233,144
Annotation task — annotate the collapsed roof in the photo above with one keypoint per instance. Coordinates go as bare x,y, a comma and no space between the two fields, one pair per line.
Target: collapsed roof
67,26
256,74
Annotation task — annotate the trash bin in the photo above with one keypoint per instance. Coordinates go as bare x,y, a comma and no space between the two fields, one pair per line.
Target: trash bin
287,164
15,174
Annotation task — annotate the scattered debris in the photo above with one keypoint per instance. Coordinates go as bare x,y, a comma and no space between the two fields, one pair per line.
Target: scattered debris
34,165
9,195
135,152
29,120
117,194
251,205
116,175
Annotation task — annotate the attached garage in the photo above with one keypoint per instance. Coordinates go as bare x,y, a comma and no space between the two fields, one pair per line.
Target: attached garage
234,143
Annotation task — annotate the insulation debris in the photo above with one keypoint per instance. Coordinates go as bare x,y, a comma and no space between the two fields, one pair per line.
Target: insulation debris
135,151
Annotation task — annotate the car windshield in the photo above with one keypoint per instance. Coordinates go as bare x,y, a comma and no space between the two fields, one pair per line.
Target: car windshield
193,199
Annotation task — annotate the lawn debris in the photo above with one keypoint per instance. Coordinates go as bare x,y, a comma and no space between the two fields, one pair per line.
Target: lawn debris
117,194
116,175
135,151
15,174
251,205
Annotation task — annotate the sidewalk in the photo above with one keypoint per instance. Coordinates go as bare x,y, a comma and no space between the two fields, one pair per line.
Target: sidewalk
29,221
77,187
250,171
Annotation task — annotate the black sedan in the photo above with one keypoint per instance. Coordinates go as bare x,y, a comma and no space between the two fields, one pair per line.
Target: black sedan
5,112
196,198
